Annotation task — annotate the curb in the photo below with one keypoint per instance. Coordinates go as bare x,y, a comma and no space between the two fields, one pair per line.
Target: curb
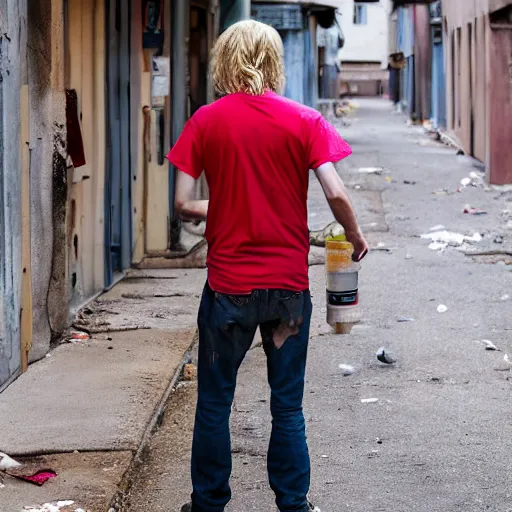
118,501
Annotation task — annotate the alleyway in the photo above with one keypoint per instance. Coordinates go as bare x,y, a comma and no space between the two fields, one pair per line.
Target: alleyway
439,437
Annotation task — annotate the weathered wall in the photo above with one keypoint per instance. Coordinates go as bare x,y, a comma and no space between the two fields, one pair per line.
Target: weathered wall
477,62
12,38
365,43
85,72
47,170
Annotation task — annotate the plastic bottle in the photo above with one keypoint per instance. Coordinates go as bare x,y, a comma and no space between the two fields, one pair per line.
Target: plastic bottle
342,277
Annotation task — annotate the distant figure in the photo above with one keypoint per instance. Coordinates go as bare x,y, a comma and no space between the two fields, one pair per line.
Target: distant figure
329,42
256,149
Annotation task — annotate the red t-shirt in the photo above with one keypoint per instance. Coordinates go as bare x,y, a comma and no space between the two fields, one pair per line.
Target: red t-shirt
256,152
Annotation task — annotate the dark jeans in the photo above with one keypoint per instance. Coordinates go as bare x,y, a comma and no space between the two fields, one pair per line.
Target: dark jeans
227,326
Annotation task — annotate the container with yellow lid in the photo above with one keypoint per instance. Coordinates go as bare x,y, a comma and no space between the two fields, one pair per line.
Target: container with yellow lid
342,284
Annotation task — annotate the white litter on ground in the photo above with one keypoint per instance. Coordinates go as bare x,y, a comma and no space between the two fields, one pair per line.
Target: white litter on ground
489,345
7,462
438,246
347,369
441,239
371,170
50,507
442,308
369,400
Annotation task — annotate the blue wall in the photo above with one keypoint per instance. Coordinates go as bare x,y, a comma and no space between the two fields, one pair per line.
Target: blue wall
438,87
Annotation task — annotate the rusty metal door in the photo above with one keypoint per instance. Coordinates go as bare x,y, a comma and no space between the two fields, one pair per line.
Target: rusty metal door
10,211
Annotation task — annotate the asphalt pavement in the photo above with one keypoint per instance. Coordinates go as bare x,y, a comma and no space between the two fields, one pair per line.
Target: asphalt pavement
438,437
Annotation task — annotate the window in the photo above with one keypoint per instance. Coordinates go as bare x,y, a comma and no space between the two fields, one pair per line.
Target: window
360,14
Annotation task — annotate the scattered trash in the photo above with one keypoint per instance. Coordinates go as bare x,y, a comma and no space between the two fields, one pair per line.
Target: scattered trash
442,192
404,319
347,369
473,211
489,345
449,238
56,506
438,227
442,308
477,237
189,372
505,297
445,237
38,478
332,230
507,360
389,179
7,462
325,456
498,239
408,256
438,246
385,357
474,179
407,182
78,336
371,170
369,400
357,187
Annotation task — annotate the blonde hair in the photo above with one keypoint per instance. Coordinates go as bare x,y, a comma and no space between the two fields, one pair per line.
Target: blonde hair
248,57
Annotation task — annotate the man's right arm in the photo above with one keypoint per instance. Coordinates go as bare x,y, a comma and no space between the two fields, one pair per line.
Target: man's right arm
341,207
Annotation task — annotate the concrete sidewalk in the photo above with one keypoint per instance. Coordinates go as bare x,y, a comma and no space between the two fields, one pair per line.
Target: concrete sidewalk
86,410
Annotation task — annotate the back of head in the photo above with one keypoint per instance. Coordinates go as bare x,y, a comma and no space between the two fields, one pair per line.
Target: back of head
248,57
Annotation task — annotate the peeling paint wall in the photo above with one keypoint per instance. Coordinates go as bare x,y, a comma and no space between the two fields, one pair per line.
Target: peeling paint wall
47,174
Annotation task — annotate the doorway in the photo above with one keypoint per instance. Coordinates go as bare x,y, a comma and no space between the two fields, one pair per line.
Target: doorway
118,165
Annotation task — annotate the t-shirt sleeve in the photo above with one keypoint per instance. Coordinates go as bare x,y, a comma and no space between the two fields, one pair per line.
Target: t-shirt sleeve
325,144
186,154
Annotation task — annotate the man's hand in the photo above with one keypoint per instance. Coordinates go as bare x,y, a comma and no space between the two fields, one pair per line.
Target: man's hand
357,239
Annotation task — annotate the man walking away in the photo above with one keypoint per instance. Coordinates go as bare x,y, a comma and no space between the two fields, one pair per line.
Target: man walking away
256,149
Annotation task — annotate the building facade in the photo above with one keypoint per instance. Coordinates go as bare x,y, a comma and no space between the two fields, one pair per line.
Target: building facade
364,56
478,49
92,95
